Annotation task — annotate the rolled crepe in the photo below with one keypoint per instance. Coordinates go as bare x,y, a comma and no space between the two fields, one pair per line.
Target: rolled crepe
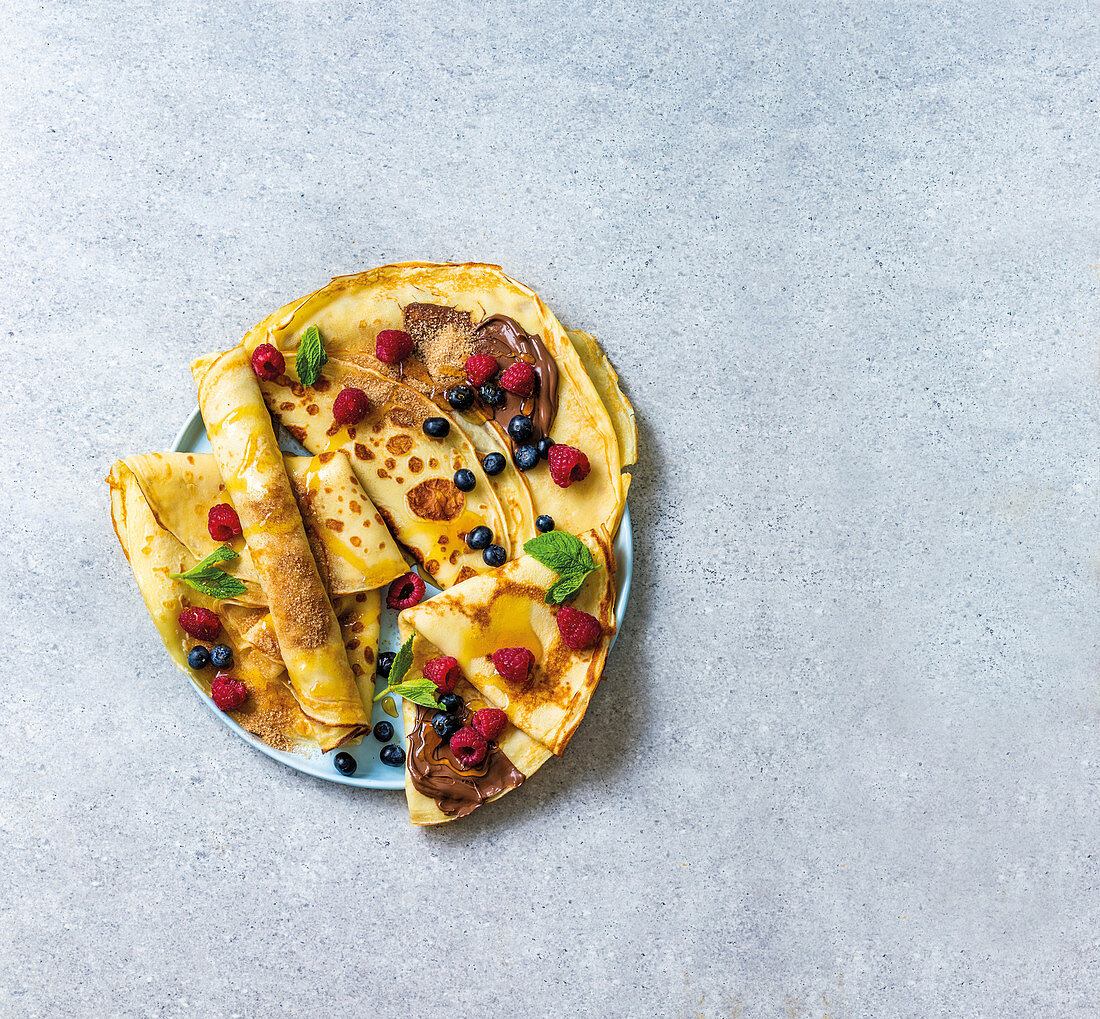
252,467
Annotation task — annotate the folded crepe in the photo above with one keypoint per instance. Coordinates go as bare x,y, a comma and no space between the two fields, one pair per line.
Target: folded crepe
452,311
508,609
437,787
252,467
408,476
271,712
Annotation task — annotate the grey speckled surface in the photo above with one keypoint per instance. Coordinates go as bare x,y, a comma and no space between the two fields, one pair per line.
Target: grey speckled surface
846,759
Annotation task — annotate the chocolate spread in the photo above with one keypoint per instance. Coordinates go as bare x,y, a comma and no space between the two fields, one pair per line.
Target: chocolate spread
435,772
504,339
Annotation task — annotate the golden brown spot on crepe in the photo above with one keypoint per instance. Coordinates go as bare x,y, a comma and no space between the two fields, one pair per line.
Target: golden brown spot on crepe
355,506
444,540
368,655
355,540
298,432
416,465
322,385
356,669
361,597
465,574
286,405
296,388
433,463
400,480
390,463
334,525
399,445
436,499
362,453
190,459
352,644
327,458
312,410
376,427
432,567
381,545
383,473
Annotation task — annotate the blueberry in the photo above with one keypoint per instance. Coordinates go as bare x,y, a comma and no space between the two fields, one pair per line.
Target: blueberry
526,457
543,446
383,732
479,537
492,395
385,660
222,656
344,763
392,755
465,480
460,397
494,556
198,657
445,724
452,703
544,523
494,463
520,428
437,428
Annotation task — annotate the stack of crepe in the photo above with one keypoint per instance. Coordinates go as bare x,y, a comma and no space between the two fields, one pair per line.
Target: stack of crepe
323,534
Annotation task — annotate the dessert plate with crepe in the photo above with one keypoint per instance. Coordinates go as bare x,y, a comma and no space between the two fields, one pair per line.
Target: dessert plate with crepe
391,547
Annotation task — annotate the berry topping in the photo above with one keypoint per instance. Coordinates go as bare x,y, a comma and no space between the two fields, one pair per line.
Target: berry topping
383,731
490,722
385,661
578,629
452,703
521,428
222,656
198,657
445,724
567,465
494,463
492,395
526,457
404,593
469,747
437,428
479,538
544,445
480,368
494,556
544,523
351,406
465,480
202,624
267,362
519,378
513,663
460,397
344,763
228,693
444,672
222,522
392,345
392,755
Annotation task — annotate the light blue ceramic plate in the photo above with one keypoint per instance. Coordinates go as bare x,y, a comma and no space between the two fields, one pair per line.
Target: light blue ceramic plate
371,773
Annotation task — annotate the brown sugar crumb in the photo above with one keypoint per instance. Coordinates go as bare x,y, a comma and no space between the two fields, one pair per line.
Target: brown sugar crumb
443,338
465,574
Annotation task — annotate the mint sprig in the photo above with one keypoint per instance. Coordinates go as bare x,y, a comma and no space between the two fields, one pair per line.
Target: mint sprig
311,356
568,557
205,576
419,690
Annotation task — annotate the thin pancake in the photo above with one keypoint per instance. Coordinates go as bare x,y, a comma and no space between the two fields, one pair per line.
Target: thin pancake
252,466
485,614
606,380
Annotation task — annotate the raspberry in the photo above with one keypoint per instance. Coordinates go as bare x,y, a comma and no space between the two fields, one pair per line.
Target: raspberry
513,663
444,672
228,693
490,722
222,522
469,747
567,465
267,362
392,345
405,592
578,629
202,624
351,406
520,378
480,368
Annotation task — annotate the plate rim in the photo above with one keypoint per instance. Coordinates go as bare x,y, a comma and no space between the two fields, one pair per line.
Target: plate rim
189,433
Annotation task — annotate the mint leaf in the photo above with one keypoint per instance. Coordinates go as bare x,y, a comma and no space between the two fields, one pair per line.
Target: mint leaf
401,662
566,587
420,691
311,356
204,576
